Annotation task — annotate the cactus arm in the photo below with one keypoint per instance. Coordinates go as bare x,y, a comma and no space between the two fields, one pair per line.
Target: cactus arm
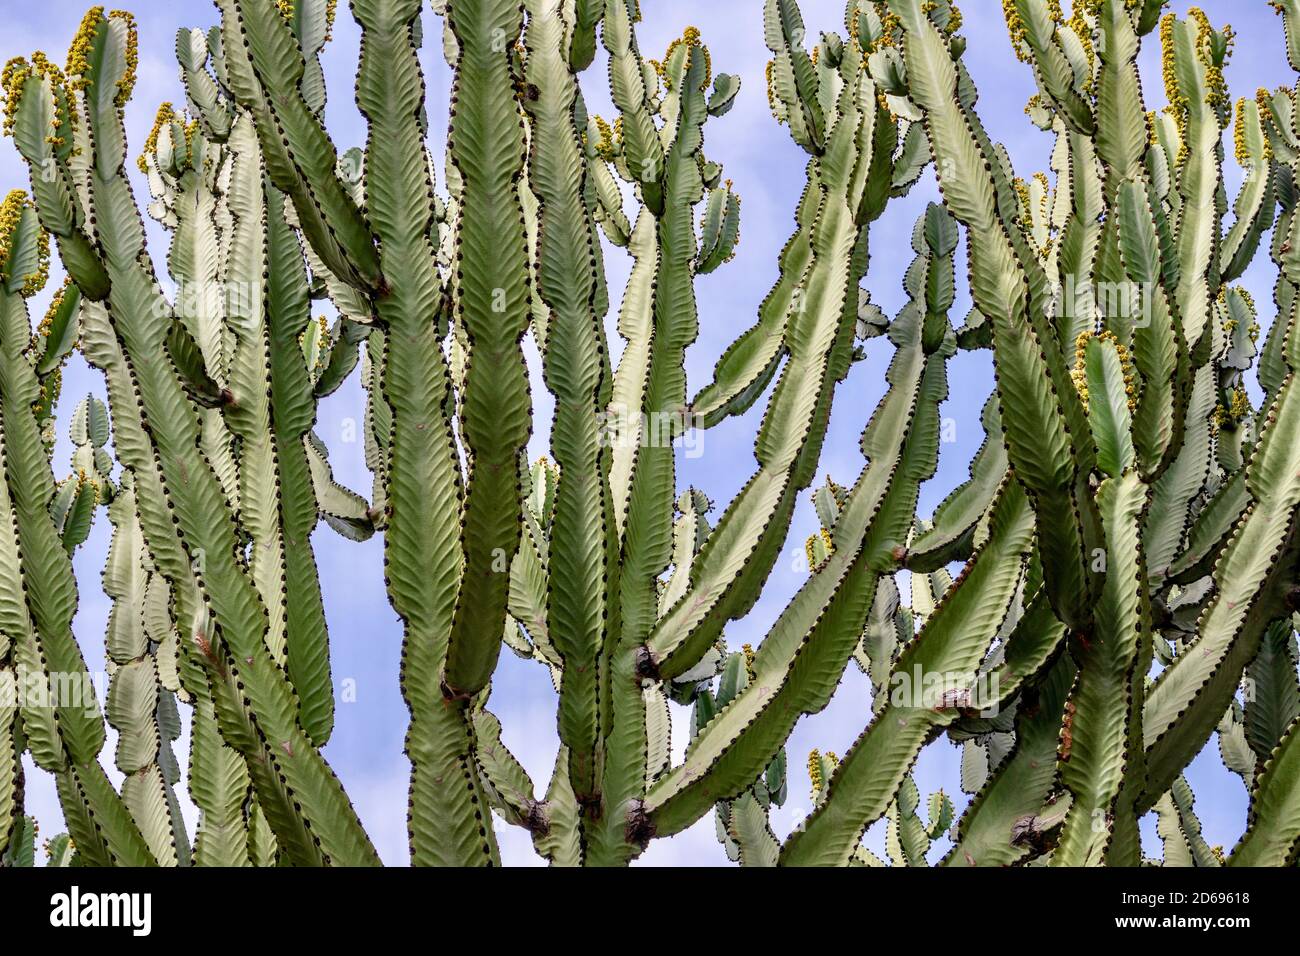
1250,575
40,593
293,412
341,508
1158,352
1169,513
911,834
748,537
1098,748
135,706
748,365
573,371
11,757
635,325
690,530
423,560
793,75
1234,749
344,354
751,830
1177,850
201,89
1202,113
951,533
1031,397
1273,832
953,641
1274,698
528,585
1180,830
509,789
1272,368
647,531
262,55
491,303
63,214
1211,528
170,452
1019,788
642,147
1255,203
900,443
61,332
719,229
561,843
220,787
1033,24
1075,253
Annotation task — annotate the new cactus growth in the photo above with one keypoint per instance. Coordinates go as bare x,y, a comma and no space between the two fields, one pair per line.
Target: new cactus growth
1076,616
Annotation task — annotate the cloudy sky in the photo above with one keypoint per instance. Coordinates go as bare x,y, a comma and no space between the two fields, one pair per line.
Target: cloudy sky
767,168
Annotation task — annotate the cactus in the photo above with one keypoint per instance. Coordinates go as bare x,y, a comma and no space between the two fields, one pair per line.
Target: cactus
1126,537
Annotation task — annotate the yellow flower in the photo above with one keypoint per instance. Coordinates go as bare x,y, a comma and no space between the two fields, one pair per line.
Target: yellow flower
815,772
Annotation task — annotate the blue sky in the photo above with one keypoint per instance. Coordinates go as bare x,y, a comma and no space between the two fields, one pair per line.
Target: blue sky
767,168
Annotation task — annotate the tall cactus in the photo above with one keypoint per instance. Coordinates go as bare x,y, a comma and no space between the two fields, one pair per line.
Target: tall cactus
1126,535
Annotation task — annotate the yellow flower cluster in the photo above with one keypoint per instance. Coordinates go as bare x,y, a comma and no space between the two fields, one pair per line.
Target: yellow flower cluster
47,323
748,651
51,386
127,81
890,28
1216,86
1247,298
1079,373
1016,29
815,772
810,549
1240,149
11,213
605,145
1083,30
690,39
286,8
1169,70
15,74
1022,193
1044,198
164,115
1238,408
79,52
954,20
325,342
